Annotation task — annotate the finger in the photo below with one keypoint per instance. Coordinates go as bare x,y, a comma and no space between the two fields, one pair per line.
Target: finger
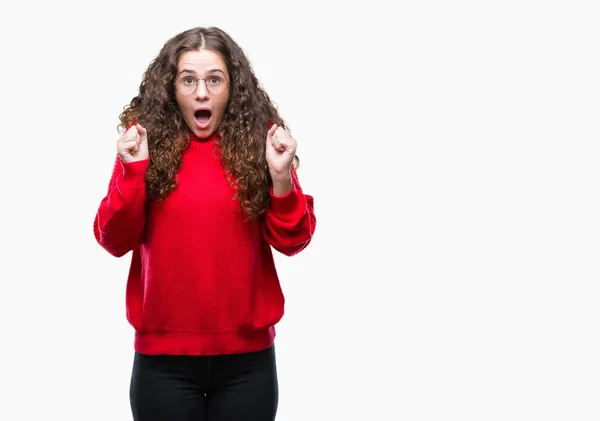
272,130
129,145
285,141
130,135
131,130
282,135
278,144
273,140
282,131
142,131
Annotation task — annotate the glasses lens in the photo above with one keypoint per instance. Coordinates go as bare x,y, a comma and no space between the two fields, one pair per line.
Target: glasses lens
216,84
217,89
186,85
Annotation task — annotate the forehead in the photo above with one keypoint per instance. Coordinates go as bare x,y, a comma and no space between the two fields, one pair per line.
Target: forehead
200,61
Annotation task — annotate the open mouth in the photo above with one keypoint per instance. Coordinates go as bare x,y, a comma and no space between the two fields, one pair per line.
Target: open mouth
202,116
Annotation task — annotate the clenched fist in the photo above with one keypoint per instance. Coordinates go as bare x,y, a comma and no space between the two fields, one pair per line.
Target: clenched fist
280,152
133,144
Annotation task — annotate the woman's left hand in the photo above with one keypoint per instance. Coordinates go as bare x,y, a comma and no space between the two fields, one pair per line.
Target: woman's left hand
281,149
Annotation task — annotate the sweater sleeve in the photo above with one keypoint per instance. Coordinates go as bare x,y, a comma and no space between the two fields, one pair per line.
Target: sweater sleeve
121,218
289,222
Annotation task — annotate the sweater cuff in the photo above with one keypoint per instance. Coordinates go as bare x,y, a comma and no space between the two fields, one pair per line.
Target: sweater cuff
134,172
291,203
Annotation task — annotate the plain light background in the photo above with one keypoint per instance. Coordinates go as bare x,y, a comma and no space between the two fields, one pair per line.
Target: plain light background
451,148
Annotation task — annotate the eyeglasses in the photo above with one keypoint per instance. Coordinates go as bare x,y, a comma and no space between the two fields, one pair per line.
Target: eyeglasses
187,85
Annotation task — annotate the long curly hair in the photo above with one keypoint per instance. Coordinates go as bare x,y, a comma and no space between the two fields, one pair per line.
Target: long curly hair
242,130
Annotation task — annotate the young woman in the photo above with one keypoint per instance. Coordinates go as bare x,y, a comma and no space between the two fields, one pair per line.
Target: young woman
204,185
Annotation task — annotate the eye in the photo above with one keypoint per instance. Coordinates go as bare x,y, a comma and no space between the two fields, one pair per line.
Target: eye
214,80
188,80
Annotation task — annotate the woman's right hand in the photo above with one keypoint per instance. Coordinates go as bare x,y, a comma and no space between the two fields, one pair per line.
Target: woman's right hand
133,144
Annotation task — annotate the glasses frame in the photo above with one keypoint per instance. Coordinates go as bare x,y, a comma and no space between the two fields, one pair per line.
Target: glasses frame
198,84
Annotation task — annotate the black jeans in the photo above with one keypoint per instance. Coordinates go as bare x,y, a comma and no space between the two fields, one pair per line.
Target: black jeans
205,388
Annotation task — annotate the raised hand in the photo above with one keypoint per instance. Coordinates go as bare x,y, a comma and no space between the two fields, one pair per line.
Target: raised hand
280,152
133,144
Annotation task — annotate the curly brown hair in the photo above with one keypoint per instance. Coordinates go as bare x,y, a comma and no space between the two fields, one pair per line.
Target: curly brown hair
242,130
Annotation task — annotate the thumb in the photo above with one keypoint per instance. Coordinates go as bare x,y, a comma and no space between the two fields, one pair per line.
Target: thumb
143,133
271,132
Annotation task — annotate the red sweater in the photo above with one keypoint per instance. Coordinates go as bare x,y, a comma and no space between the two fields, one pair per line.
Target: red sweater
202,280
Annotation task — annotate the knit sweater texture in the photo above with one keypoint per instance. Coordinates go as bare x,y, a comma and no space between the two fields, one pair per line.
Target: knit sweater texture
202,279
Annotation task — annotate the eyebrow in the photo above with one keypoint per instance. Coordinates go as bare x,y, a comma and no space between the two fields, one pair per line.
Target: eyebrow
194,72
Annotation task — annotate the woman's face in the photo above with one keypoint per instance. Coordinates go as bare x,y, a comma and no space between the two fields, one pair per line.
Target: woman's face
202,109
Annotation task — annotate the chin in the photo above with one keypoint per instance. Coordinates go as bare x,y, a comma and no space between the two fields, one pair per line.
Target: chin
202,134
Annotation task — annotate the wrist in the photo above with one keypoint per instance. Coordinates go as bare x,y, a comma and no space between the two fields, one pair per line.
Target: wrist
282,184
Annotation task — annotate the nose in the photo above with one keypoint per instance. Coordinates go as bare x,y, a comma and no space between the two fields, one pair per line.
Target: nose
201,91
